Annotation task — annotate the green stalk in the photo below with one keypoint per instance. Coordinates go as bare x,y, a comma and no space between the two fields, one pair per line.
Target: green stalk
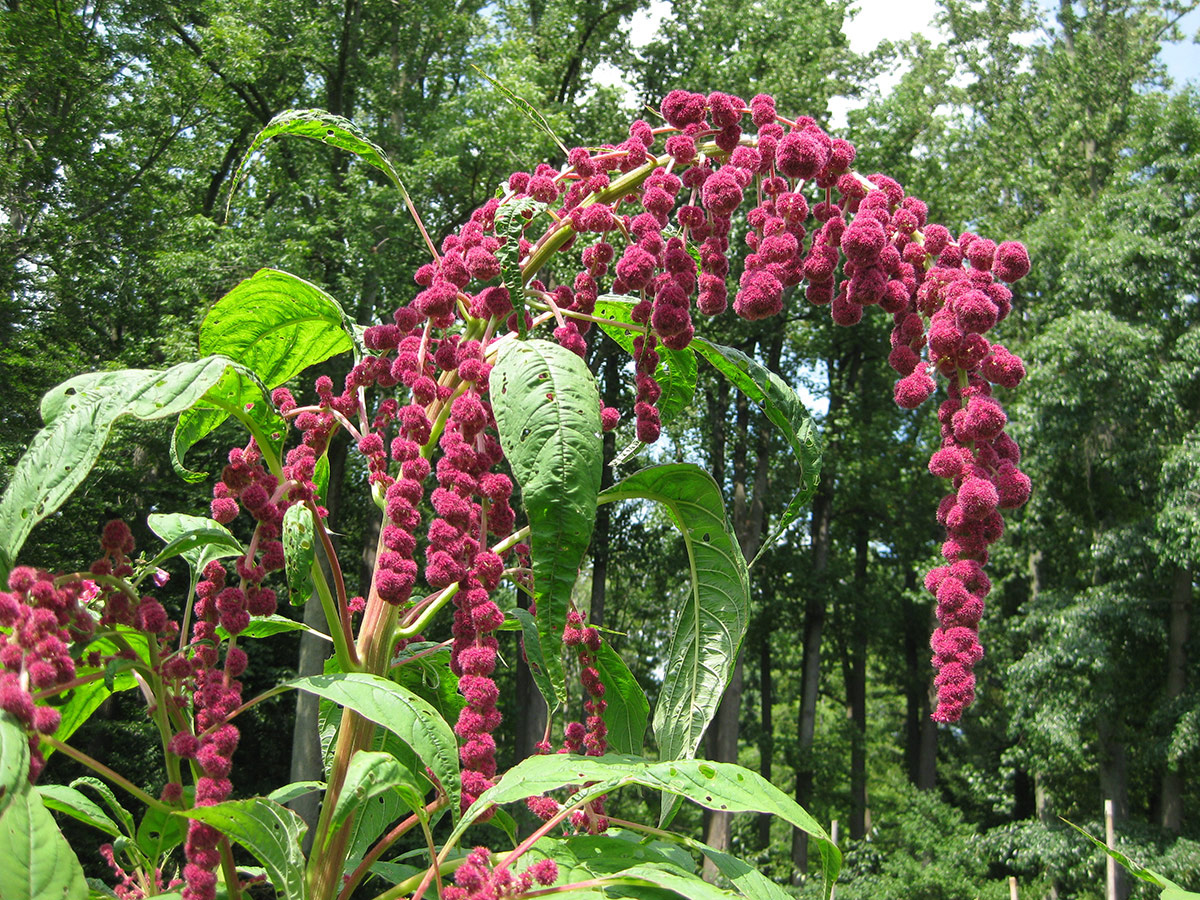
109,775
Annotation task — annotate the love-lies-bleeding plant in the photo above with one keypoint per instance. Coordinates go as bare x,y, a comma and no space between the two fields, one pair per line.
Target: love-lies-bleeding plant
477,387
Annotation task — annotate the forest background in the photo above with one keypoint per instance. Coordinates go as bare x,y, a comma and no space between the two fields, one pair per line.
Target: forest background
123,122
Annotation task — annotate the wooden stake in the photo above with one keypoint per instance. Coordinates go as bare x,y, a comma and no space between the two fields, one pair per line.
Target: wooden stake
1110,839
1012,887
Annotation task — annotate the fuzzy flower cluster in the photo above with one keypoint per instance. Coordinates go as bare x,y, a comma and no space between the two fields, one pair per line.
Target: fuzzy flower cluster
40,621
852,241
475,879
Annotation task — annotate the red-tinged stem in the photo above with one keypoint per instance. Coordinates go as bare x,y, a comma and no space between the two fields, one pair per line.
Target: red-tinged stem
67,686
352,881
339,583
254,701
574,885
375,642
109,775
233,885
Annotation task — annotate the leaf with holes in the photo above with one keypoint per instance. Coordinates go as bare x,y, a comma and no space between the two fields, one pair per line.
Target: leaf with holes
547,412
318,125
79,416
784,409
270,832
512,218
299,550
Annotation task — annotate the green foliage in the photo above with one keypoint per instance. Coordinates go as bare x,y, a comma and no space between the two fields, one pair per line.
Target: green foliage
548,416
269,831
710,622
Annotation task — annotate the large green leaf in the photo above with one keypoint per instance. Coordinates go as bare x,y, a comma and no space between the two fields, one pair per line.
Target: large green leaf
784,409
14,759
676,371
708,626
318,125
78,805
628,710
239,393
272,833
79,416
276,325
36,863
713,785
547,412
401,712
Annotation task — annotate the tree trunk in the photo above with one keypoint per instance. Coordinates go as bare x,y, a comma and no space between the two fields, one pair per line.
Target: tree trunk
531,712
602,535
1181,602
854,669
766,690
810,665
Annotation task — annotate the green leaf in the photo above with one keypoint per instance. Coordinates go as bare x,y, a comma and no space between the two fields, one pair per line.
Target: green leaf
198,540
38,863
79,806
276,325
267,626
241,394
429,677
124,817
272,833
676,371
14,759
299,548
708,627
534,656
318,125
547,413
1171,891
713,785
512,218
670,878
160,832
289,792
784,409
84,700
369,775
79,416
628,710
401,712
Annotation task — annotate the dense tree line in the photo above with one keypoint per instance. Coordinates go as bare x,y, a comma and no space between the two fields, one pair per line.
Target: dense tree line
124,124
